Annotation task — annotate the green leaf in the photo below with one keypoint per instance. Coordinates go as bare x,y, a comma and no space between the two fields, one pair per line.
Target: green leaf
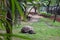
13,9
1,22
15,35
19,8
29,0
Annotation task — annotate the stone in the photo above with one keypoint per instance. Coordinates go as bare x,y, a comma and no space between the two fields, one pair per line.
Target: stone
27,29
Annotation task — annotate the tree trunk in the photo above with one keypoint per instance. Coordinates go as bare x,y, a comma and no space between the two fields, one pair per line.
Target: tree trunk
48,6
56,9
35,10
55,18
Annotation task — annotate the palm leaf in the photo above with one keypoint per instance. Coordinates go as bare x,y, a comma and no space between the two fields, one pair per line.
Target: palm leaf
19,8
13,9
16,35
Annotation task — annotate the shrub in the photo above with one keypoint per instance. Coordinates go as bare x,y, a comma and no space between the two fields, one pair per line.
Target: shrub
45,14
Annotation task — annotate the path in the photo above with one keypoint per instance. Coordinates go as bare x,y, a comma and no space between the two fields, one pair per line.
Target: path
34,18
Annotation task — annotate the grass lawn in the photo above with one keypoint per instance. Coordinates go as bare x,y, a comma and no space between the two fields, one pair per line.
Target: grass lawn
45,30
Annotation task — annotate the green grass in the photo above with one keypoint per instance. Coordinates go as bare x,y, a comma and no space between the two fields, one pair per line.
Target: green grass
45,30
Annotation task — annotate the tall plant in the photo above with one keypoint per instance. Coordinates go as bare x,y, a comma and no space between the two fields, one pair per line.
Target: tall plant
7,16
7,11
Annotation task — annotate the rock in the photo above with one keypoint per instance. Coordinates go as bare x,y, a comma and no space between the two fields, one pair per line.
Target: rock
31,32
27,29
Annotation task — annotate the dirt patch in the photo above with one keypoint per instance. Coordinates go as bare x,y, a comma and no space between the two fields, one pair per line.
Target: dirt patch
34,18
